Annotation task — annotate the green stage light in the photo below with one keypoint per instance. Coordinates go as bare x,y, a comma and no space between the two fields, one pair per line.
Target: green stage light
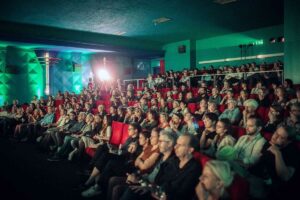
77,89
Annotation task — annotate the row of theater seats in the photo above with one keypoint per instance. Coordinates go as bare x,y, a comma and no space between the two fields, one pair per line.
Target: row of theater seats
119,136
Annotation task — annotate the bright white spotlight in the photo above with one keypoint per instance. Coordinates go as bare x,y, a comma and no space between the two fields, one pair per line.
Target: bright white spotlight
103,75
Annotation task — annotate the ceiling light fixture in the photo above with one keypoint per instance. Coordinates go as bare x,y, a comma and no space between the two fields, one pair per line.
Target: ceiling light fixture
160,20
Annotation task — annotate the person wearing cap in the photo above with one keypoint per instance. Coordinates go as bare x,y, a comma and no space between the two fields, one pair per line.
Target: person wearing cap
232,112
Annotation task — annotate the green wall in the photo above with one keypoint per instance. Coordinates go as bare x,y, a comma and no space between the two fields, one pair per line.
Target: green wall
292,40
174,60
21,75
227,46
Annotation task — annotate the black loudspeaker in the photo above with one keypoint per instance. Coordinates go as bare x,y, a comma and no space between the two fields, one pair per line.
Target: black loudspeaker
181,49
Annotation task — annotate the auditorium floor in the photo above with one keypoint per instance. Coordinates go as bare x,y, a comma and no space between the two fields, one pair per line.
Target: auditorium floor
26,174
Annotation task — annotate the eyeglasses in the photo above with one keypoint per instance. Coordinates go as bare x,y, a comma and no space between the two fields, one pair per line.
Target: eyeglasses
130,129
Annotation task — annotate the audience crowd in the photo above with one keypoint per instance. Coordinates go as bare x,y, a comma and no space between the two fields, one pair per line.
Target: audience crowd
195,134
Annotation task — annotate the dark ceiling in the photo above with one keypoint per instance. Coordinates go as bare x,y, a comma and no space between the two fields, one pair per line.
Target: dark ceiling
195,19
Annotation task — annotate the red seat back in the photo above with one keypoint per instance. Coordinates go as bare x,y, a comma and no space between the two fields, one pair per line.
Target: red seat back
267,135
238,131
175,96
132,103
221,108
124,133
90,151
170,105
201,158
117,130
239,189
58,102
261,112
99,102
192,107
201,123
253,96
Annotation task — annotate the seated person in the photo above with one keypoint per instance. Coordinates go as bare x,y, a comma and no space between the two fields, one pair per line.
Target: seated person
176,180
163,107
216,177
263,99
213,108
202,109
104,153
278,163
223,138
163,122
74,139
150,121
280,97
295,100
229,95
215,96
64,147
248,147
176,108
275,116
251,106
232,112
119,167
176,123
209,132
293,119
242,97
191,126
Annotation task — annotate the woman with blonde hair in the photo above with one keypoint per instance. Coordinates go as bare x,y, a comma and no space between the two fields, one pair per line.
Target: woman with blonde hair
216,177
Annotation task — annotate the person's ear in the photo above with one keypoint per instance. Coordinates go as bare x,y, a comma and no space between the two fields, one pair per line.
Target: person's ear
220,184
191,150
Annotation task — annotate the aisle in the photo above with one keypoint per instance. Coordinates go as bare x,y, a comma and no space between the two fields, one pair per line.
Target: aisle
25,173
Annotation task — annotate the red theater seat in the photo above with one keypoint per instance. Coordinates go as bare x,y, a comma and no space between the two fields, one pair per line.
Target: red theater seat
117,130
221,108
267,135
132,103
201,123
124,133
192,107
238,131
58,102
239,189
253,96
261,112
90,151
170,105
201,158
99,102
